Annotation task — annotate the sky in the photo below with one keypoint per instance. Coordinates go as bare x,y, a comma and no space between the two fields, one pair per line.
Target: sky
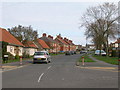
52,17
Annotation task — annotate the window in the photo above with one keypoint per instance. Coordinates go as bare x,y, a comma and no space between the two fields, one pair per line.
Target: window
11,49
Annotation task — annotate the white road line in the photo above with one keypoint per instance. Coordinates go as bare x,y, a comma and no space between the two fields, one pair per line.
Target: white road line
40,77
49,67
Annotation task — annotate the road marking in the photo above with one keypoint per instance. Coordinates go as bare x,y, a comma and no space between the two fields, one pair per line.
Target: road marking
49,67
43,74
63,79
40,77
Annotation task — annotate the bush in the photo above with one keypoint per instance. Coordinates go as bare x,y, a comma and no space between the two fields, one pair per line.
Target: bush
114,53
17,57
25,55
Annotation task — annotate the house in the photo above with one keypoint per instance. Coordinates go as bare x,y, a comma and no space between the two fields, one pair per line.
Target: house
54,46
14,46
73,46
115,45
91,47
42,46
29,47
69,44
63,45
78,47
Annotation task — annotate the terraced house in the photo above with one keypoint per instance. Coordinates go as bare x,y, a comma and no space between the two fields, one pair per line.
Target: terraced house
42,46
54,46
63,45
14,46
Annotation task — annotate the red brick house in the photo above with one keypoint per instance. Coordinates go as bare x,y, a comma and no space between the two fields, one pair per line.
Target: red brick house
14,46
54,46
41,45
70,45
63,45
73,46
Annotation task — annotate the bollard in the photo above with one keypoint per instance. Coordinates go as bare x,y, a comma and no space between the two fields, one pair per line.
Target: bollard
83,61
20,60
77,63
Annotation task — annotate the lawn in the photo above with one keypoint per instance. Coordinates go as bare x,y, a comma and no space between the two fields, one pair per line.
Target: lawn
86,59
17,60
111,60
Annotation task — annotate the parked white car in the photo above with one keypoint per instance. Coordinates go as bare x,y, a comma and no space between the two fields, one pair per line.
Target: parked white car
41,56
103,53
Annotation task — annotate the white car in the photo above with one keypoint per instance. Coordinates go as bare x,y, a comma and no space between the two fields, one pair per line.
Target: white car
41,56
103,53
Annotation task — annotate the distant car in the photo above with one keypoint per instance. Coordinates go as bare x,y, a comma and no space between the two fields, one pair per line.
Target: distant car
67,53
72,52
83,51
103,53
41,56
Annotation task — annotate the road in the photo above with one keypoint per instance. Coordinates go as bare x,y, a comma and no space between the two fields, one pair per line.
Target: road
61,73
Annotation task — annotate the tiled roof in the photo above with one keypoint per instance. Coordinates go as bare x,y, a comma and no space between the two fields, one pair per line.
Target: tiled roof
68,42
118,41
47,39
42,43
7,37
62,41
30,44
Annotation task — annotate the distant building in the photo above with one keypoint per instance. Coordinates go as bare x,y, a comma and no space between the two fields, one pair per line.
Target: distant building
63,45
78,47
91,47
115,45
54,46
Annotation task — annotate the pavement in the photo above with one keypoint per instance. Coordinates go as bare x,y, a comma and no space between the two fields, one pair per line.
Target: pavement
15,65
62,72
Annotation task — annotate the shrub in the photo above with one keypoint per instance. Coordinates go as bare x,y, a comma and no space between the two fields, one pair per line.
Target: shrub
25,55
17,57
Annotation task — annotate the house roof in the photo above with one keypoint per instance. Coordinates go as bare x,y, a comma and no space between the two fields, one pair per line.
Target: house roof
47,39
62,41
68,42
9,38
30,44
118,41
42,43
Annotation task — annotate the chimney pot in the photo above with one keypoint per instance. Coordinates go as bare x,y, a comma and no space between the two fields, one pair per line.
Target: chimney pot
44,34
50,36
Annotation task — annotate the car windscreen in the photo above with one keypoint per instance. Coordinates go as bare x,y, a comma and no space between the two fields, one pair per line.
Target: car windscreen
39,53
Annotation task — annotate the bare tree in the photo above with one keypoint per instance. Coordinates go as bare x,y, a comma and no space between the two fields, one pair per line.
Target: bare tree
23,33
100,23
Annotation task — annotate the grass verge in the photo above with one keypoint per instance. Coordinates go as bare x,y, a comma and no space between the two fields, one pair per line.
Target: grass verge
86,59
111,60
16,60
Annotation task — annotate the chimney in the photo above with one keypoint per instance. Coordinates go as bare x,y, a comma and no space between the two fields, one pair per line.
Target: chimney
44,34
65,38
50,36
58,36
70,41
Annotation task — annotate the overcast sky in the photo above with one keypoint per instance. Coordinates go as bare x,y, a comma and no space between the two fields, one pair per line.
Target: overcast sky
52,18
